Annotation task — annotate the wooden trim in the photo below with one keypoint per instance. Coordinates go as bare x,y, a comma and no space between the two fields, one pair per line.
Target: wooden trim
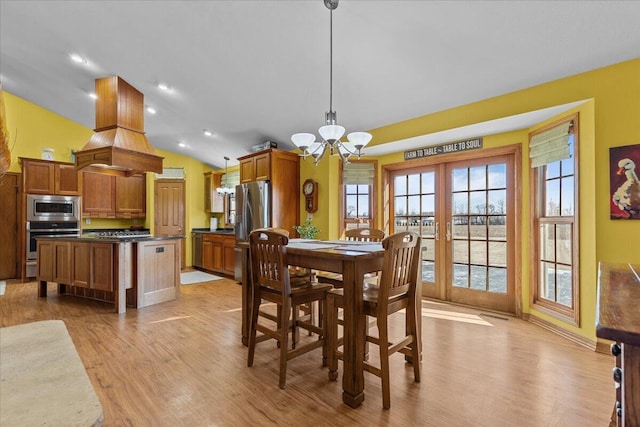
558,330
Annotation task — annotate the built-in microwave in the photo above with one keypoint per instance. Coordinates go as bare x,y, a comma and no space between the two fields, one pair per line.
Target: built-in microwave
53,208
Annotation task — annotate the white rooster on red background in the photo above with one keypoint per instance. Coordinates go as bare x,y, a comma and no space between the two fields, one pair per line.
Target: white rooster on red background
627,196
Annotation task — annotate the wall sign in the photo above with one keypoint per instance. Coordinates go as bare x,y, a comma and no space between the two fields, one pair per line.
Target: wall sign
449,147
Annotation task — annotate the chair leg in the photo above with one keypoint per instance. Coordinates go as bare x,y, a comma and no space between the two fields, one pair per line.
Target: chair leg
255,308
322,309
284,338
331,316
413,329
383,334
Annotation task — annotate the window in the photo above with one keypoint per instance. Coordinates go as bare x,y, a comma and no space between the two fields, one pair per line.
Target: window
358,195
555,189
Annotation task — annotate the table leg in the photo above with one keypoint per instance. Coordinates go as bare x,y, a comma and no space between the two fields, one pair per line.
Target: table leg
42,289
354,339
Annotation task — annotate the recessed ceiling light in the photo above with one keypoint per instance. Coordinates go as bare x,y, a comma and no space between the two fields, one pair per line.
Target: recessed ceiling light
165,88
93,95
151,110
182,144
77,58
207,132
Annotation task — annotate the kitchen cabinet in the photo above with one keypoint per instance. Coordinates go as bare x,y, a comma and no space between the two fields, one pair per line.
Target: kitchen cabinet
55,265
256,167
282,169
92,265
49,177
108,196
217,251
213,202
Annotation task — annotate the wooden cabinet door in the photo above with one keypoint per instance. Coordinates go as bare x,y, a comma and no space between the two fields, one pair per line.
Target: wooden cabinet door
66,181
98,195
38,177
62,262
217,255
228,254
247,170
80,264
207,253
46,260
131,196
102,266
208,191
262,167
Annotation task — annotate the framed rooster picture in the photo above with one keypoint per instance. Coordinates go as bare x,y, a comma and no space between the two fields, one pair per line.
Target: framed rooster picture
624,165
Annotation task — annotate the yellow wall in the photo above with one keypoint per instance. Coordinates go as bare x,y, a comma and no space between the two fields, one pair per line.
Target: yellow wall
32,128
608,118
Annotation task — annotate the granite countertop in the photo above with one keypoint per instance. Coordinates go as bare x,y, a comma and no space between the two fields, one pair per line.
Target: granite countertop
90,238
216,231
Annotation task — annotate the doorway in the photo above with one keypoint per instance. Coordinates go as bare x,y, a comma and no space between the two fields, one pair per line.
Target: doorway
465,212
169,211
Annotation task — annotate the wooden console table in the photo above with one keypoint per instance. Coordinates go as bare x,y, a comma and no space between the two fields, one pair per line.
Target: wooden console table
618,319
43,380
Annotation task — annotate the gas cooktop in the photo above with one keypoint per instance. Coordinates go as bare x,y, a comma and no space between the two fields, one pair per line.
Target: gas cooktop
119,234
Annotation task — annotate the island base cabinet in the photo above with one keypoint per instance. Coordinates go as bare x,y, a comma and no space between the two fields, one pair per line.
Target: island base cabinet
158,275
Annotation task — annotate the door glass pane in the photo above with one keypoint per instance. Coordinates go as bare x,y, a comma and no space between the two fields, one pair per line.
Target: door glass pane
460,251
498,280
477,227
428,258
477,178
428,183
459,180
428,204
428,271
400,185
478,202
460,203
428,227
497,176
460,275
498,254
401,223
498,227
478,251
400,206
478,278
414,184
497,201
414,205
460,228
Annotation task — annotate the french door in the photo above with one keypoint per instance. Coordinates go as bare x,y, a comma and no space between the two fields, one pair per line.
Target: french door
464,212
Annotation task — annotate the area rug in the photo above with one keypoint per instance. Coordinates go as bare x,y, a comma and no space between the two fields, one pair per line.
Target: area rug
193,277
3,286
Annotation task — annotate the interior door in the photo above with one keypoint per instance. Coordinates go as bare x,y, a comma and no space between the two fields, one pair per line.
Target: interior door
464,212
169,210
9,209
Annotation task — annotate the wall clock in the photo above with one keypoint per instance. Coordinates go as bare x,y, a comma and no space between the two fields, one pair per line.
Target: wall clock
310,192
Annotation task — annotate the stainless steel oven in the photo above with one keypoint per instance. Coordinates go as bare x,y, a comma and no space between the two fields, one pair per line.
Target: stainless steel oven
53,208
49,216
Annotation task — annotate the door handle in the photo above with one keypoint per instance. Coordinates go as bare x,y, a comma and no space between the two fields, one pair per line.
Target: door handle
448,231
437,230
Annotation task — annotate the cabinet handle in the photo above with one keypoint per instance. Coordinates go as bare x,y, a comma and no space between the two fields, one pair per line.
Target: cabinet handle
437,230
448,231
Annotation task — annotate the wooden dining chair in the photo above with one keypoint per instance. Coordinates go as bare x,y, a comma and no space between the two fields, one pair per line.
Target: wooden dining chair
398,289
298,276
353,234
271,283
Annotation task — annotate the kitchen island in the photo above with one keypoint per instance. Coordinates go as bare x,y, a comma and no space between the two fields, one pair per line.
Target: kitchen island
131,271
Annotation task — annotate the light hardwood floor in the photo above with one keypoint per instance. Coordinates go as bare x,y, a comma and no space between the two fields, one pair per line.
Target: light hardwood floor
181,363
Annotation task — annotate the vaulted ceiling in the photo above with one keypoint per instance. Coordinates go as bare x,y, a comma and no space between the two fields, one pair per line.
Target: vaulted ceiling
252,71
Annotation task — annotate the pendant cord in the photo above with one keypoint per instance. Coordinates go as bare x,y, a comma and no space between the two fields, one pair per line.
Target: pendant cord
331,60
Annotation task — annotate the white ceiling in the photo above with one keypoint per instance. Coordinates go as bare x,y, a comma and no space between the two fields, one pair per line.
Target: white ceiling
253,71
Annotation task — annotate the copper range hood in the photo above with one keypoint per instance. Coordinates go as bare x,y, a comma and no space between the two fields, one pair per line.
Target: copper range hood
119,145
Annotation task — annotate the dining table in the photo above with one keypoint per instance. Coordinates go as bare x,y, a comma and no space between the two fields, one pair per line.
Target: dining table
353,260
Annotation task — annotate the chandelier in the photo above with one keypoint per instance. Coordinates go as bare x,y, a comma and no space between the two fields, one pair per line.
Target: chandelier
224,189
331,132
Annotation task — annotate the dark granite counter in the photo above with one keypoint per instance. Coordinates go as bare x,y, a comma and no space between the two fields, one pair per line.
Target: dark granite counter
94,238
225,231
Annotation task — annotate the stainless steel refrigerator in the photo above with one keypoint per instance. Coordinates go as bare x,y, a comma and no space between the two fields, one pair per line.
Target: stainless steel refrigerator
253,211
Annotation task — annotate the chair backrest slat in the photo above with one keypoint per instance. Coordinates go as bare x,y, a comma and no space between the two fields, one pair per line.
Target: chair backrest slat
400,267
269,259
364,234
